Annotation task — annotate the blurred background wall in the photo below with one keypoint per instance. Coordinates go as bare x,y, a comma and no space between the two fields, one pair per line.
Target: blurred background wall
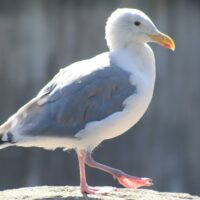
38,37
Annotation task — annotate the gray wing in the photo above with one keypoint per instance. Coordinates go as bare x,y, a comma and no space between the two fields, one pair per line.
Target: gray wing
62,111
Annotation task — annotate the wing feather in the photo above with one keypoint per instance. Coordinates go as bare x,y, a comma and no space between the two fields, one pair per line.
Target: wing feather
68,102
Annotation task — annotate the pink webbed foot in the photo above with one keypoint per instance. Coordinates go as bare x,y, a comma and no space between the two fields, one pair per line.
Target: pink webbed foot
132,181
96,190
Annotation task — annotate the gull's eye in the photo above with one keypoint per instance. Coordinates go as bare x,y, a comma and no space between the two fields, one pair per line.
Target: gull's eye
137,23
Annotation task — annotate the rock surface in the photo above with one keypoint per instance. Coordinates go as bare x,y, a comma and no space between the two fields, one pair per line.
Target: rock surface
73,193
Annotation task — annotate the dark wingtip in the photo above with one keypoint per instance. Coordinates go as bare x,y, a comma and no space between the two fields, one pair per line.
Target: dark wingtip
1,141
9,138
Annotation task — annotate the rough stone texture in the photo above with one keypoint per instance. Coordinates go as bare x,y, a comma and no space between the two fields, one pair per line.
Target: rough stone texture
70,192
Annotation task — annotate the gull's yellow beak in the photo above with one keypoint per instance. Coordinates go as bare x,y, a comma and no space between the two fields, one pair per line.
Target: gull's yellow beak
164,40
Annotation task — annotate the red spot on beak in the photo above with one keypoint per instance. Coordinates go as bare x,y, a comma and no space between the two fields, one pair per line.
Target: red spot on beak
167,46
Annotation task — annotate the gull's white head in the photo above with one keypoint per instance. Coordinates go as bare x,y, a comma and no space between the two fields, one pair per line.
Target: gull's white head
126,26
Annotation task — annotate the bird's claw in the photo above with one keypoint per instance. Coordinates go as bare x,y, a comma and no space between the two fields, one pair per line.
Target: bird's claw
96,190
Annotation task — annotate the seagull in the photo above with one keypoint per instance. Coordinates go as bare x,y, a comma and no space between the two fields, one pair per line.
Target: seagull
94,100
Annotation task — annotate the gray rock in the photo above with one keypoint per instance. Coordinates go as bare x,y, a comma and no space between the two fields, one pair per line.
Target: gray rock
73,193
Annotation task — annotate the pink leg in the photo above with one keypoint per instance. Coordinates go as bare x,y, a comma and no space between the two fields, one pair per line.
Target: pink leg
85,189
124,179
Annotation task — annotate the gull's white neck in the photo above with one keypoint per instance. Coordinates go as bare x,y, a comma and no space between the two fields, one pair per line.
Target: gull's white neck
135,58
